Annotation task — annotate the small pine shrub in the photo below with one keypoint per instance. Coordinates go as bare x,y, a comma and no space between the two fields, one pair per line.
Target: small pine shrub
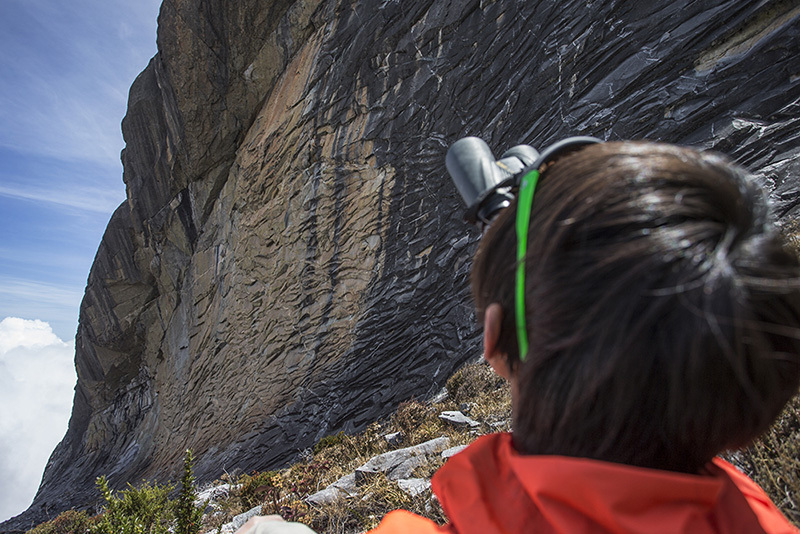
188,516
143,510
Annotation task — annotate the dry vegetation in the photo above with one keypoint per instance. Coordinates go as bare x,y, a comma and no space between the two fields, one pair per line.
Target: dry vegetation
475,389
772,462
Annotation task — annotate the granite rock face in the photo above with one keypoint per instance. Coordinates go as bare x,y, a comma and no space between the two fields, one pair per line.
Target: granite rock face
291,259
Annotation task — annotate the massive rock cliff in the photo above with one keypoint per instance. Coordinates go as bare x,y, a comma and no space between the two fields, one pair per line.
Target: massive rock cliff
291,259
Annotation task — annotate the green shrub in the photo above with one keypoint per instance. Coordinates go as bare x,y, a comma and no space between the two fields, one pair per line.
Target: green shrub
69,522
257,488
143,510
188,516
329,441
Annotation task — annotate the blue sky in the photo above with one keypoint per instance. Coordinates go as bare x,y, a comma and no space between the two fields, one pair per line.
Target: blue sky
65,71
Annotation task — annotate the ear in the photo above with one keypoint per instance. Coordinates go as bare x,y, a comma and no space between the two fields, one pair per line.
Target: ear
492,320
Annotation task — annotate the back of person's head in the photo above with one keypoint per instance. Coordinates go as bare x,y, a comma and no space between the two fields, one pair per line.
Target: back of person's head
662,304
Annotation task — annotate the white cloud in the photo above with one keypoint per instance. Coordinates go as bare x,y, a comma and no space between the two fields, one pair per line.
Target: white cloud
37,380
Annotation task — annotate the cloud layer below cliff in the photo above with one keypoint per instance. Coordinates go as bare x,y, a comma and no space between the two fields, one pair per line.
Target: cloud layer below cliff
37,378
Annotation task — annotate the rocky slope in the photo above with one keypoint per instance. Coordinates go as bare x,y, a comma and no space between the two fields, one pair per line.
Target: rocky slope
290,260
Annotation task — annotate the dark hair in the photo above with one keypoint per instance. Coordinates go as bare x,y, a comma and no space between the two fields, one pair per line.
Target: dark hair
663,308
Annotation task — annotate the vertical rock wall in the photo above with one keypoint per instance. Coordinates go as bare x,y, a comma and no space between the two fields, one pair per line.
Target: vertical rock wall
291,259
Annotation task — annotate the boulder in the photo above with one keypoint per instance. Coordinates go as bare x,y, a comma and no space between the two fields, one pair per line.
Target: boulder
414,486
458,419
399,463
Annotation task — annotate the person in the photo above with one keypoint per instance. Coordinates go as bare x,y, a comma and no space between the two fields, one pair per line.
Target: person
662,312
662,324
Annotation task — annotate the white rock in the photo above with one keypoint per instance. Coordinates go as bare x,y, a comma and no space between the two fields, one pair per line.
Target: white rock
394,438
452,451
457,418
240,520
213,493
328,495
388,461
414,486
346,483
343,487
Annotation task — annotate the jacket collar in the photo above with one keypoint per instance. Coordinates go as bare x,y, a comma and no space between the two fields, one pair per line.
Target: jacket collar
489,487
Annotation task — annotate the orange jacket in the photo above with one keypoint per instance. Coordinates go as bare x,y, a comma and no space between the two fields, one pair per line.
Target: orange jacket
490,488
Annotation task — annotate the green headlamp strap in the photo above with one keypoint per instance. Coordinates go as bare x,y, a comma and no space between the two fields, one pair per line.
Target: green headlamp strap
524,204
